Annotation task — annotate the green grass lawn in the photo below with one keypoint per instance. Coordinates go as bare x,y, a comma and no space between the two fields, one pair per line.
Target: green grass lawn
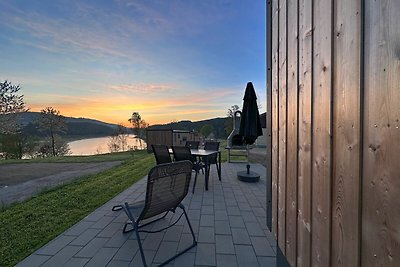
26,226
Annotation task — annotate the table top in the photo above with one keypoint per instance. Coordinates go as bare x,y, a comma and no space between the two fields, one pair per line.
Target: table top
199,152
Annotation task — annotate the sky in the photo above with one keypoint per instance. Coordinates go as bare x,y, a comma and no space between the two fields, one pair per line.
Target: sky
169,60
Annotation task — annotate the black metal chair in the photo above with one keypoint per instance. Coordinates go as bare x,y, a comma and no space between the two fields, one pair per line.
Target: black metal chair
192,144
183,153
167,186
212,145
161,154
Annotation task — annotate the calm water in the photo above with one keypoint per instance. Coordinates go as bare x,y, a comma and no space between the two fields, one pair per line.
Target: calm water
100,145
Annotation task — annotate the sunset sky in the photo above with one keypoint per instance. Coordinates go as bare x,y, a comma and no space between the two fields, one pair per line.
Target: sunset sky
169,60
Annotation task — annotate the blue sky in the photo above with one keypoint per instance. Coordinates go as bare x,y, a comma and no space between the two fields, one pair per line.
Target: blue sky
168,60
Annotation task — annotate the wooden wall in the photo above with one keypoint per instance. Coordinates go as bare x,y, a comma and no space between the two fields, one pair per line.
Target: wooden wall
334,104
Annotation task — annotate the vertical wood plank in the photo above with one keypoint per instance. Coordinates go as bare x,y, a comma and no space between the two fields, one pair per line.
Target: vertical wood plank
269,113
346,133
275,114
305,115
292,94
282,62
321,169
381,147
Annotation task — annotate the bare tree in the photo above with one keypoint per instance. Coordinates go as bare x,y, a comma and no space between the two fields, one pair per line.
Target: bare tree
52,122
138,126
119,140
11,104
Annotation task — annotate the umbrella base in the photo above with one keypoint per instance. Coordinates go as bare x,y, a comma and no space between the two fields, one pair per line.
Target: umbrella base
251,177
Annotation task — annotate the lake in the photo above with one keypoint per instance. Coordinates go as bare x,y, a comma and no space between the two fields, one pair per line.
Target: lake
100,145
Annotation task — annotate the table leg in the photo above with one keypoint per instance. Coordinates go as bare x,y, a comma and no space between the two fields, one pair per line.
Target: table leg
219,166
207,174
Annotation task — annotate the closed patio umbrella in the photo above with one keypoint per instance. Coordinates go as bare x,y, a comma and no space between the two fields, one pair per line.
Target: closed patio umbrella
250,129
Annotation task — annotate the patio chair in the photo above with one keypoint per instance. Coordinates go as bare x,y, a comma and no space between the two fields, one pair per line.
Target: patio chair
167,186
192,144
212,145
161,154
183,153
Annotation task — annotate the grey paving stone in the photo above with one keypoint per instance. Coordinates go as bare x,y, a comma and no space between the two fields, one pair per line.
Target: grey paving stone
62,256
207,220
118,239
219,206
221,215
259,212
233,210
185,260
127,251
102,257
111,229
185,241
92,247
248,216
103,222
226,260
207,210
137,260
224,244
254,229
206,235
33,261
240,236
153,241
95,216
209,201
76,262
193,214
173,233
230,202
79,228
117,263
261,246
267,261
195,225
56,245
195,205
222,228
236,222
167,249
85,237
245,256
205,254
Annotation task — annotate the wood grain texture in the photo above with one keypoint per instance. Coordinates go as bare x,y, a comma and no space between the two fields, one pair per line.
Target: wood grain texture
275,115
269,114
346,133
292,95
321,149
381,146
282,62
304,154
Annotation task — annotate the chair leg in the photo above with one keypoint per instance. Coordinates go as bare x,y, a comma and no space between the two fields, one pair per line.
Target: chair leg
136,228
189,247
194,182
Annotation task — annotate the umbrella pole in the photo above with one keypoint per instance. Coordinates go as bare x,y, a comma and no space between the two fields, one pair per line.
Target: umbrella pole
248,162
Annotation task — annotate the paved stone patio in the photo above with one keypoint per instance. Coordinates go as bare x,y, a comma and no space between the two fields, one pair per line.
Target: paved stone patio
229,221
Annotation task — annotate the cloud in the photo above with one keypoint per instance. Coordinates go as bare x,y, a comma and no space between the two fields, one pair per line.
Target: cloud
141,88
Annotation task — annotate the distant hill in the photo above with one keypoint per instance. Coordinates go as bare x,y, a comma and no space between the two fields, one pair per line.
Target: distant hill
84,127
76,126
217,123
